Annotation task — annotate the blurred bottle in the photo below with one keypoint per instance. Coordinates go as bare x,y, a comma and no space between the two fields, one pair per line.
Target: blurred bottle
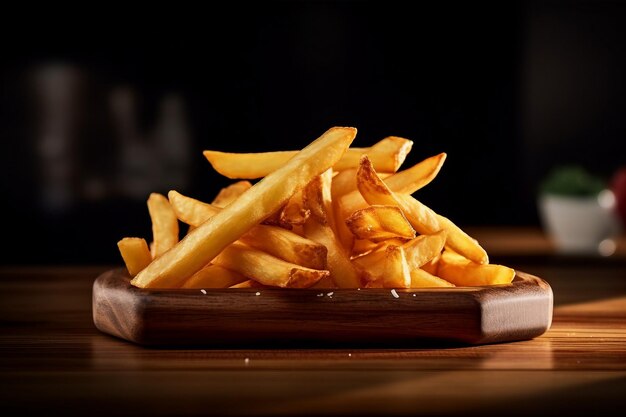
137,167
172,143
58,91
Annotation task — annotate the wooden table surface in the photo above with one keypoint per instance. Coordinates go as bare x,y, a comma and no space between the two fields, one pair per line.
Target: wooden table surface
53,361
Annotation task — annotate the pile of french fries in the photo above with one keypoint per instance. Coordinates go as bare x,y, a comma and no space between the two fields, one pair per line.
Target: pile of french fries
328,216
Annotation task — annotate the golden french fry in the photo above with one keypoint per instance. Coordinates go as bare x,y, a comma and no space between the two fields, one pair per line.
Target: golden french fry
164,224
343,183
214,276
397,272
189,210
347,199
432,265
294,213
287,245
422,218
267,269
418,176
227,194
205,242
319,228
276,241
378,223
424,248
387,156
135,253
423,279
362,247
461,271
456,238
374,191
373,266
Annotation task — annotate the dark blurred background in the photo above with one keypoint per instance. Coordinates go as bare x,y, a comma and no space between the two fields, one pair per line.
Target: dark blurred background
103,104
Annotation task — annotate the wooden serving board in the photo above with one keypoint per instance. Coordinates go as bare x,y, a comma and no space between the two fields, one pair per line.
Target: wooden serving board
269,317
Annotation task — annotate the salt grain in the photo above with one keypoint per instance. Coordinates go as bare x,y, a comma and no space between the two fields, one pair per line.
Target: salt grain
258,293
349,354
203,291
320,294
394,293
413,295
246,361
330,294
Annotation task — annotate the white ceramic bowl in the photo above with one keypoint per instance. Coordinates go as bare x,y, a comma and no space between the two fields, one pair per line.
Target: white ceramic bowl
579,225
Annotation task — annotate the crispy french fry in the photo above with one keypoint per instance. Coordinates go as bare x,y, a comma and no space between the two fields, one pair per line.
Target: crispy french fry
227,194
424,248
362,247
387,155
418,176
397,272
422,279
205,242
373,266
378,223
267,269
374,191
456,238
287,245
319,228
191,211
164,224
422,218
214,276
276,241
347,199
461,271
294,213
432,265
135,253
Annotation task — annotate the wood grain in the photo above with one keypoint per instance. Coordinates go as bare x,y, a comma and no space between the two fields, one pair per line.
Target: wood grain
54,361
244,317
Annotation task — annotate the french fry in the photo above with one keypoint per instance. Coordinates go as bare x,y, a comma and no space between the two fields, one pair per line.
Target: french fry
347,199
227,194
267,269
422,279
397,272
362,247
294,213
135,253
164,224
373,266
378,223
418,176
287,245
422,218
276,241
189,210
387,156
432,265
424,248
456,238
461,271
319,228
214,276
205,242
374,191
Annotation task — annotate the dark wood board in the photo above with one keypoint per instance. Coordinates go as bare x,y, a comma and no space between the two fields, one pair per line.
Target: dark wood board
311,317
